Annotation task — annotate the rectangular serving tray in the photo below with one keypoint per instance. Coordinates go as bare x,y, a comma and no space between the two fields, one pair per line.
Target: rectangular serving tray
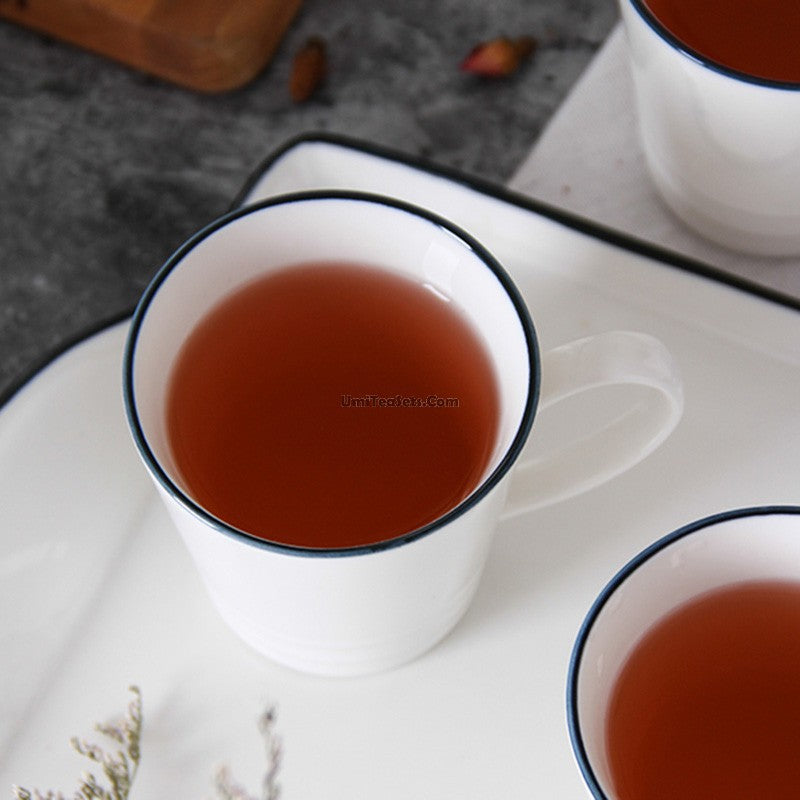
98,592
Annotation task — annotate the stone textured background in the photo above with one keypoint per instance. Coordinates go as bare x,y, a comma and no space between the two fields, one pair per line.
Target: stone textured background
104,170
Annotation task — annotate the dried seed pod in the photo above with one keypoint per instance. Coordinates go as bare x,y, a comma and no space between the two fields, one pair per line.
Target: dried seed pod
308,69
498,57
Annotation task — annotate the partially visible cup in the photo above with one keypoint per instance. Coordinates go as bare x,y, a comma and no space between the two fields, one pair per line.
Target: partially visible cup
348,610
720,138
683,677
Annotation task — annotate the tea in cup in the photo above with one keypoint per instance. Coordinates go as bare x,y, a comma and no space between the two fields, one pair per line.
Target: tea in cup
717,87
683,681
329,391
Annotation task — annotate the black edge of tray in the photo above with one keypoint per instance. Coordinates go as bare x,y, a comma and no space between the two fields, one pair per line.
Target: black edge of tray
570,220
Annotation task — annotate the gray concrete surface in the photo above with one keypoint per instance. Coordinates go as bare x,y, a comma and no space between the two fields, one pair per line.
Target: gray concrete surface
104,170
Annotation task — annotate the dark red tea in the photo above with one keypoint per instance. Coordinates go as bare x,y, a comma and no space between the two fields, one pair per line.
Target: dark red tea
757,37
332,405
708,705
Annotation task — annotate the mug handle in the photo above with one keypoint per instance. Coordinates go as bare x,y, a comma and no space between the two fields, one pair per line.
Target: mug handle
621,358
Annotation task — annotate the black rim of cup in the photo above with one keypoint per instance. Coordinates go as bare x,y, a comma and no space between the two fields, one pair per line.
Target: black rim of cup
573,720
500,470
640,6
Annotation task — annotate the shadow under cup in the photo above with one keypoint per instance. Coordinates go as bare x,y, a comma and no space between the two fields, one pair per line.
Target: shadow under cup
745,545
349,610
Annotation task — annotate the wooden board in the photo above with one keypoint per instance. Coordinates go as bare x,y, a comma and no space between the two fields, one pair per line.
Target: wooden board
206,45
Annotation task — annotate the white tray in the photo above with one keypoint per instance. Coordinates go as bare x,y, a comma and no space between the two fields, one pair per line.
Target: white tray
98,592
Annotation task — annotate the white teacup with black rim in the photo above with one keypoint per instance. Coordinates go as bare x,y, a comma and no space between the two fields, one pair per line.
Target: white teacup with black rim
356,610
718,121
683,677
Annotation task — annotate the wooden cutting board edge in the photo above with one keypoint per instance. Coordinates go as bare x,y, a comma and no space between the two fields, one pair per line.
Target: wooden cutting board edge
218,51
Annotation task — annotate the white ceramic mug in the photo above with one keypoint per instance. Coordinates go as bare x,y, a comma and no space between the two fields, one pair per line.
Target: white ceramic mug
365,609
723,148
751,544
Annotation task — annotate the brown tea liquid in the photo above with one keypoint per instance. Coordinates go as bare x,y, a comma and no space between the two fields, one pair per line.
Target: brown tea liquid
757,37
708,705
332,406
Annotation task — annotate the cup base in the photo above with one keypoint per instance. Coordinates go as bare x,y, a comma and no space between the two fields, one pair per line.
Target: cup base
736,229
359,658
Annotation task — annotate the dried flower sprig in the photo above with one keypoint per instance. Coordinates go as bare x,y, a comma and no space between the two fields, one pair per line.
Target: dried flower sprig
225,786
119,768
